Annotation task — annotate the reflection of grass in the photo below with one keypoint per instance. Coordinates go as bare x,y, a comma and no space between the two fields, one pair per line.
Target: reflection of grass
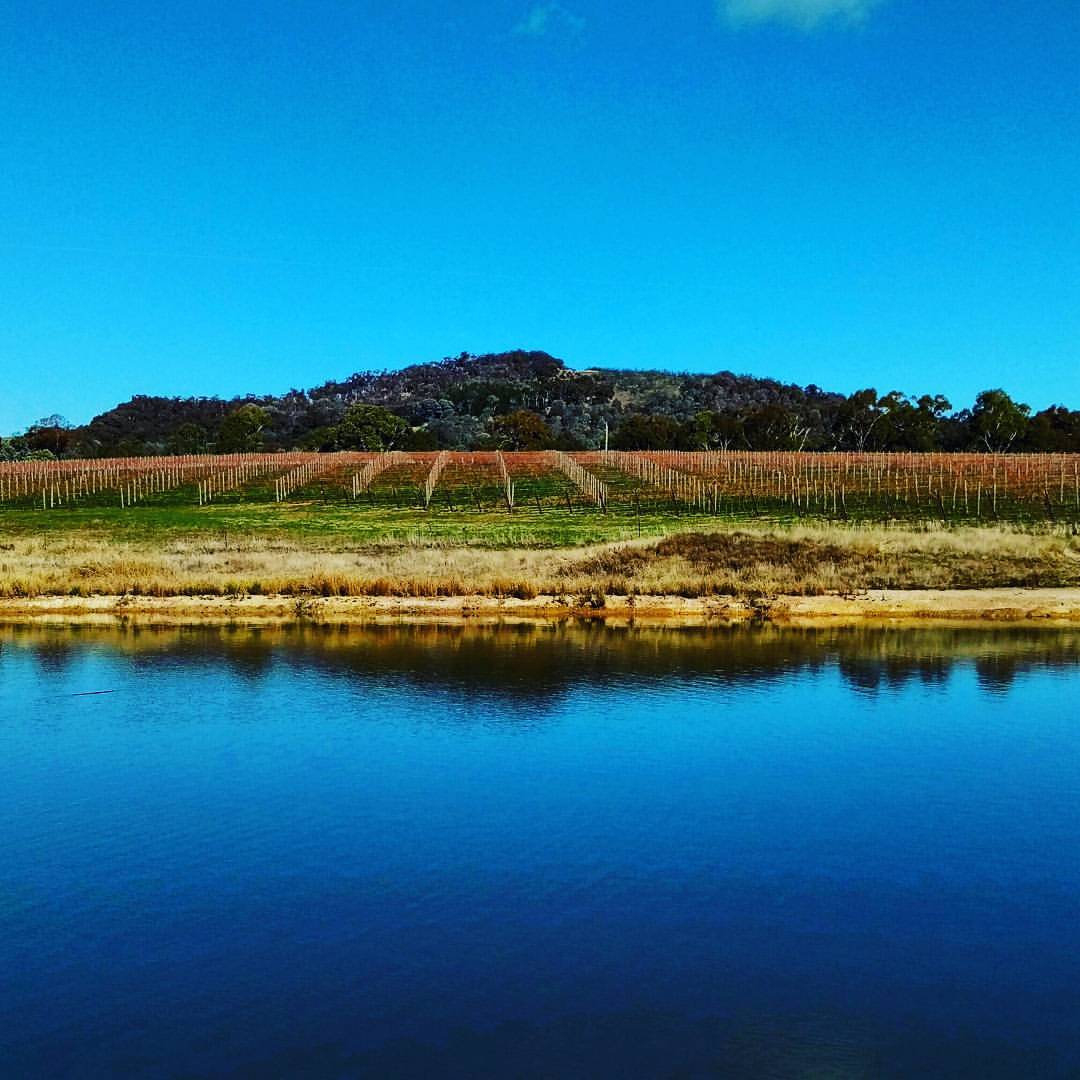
543,658
301,548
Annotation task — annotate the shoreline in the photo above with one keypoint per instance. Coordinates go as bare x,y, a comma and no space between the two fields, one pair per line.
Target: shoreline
1003,605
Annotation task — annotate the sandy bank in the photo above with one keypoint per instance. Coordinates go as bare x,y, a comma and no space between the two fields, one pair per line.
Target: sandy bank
996,605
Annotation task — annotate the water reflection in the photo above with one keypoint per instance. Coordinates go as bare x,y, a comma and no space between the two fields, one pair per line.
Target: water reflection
534,663
539,851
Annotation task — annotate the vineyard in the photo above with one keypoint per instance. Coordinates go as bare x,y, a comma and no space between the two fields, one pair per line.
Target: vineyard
962,488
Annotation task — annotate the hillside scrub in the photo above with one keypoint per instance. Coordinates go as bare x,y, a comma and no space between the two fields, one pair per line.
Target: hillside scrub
530,400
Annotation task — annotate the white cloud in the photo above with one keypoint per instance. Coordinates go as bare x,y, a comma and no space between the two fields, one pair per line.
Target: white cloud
804,14
547,18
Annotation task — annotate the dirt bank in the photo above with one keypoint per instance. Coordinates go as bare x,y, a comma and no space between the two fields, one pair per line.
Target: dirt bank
996,605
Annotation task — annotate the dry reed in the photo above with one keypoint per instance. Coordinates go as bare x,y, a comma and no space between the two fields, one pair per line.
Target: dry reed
800,560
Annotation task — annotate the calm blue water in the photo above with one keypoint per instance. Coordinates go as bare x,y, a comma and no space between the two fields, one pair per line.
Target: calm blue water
563,852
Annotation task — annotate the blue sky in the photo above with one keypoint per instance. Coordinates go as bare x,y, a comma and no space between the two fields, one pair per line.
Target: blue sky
202,198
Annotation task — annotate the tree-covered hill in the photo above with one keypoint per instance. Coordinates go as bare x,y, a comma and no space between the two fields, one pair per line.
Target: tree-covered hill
530,400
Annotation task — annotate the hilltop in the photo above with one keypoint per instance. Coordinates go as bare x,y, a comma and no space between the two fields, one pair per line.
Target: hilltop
532,400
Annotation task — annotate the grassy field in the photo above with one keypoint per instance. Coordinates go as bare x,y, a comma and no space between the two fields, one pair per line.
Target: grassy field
672,524
342,549
341,522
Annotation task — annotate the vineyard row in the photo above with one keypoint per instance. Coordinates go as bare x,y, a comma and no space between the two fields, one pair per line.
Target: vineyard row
947,486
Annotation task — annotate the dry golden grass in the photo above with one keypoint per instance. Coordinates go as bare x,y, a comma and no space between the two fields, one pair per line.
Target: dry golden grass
804,561
747,561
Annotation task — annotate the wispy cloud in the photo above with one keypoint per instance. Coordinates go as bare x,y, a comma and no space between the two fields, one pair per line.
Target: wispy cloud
804,14
549,18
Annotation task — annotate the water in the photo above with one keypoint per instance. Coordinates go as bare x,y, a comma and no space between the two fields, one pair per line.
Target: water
556,852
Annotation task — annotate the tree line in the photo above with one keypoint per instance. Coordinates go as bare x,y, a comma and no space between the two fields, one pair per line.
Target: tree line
533,401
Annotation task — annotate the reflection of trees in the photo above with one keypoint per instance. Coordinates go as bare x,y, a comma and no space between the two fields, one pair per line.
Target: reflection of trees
997,672
55,655
891,670
531,663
